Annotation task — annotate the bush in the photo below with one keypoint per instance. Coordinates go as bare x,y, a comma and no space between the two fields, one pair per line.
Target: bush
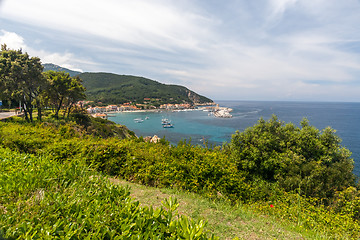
43,199
304,158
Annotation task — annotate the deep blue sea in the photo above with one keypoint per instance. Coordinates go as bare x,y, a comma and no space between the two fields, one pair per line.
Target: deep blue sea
199,126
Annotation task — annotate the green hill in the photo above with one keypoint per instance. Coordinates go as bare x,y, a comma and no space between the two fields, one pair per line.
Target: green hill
113,88
110,88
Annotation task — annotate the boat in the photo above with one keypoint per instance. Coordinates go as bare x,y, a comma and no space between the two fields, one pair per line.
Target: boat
165,121
138,120
168,125
146,118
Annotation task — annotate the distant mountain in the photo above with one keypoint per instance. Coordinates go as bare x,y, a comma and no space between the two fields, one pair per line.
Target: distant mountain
56,68
113,88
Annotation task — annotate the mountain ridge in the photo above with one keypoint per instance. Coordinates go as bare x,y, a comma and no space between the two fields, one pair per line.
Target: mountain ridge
57,68
111,88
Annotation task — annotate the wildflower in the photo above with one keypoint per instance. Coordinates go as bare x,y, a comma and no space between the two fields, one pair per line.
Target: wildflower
271,205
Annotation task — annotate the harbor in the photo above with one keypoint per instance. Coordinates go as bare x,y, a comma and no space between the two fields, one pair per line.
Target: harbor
176,125
220,112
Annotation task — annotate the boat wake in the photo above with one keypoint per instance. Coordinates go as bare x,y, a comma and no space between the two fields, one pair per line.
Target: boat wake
247,114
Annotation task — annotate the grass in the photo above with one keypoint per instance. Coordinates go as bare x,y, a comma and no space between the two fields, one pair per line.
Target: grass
224,220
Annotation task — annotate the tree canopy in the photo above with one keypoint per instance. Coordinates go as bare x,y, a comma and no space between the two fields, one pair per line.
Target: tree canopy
304,159
63,90
20,78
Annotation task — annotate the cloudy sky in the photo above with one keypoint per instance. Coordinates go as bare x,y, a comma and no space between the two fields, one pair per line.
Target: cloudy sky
306,50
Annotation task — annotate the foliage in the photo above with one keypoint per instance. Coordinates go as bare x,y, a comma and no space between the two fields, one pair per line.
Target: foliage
347,202
21,79
41,198
307,213
63,91
104,129
111,88
214,173
32,138
294,157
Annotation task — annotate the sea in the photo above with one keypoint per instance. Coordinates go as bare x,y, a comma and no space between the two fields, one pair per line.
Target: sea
200,127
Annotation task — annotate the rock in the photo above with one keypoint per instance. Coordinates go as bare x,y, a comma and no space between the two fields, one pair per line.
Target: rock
147,138
155,139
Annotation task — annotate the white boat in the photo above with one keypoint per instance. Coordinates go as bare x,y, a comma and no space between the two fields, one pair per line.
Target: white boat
165,121
146,118
168,125
138,120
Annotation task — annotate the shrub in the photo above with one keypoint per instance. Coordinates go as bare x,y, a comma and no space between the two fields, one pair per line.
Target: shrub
294,157
44,199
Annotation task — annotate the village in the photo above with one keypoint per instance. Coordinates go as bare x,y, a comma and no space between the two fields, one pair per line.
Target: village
103,111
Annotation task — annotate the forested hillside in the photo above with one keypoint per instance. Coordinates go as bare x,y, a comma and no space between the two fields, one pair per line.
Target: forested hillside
109,88
113,88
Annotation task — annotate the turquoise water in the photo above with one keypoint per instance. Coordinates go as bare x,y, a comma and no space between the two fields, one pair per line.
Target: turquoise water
194,125
199,126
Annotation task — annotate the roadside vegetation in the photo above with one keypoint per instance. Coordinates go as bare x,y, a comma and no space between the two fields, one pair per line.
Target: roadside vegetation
58,176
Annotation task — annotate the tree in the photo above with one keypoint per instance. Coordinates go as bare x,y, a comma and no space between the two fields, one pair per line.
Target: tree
63,91
297,158
21,79
76,93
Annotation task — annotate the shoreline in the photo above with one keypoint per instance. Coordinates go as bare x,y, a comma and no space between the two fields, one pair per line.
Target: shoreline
153,110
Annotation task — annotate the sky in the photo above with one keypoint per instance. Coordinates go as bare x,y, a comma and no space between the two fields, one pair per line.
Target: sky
266,50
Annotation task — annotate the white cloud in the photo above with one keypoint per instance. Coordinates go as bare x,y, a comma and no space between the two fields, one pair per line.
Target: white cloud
278,7
254,48
15,41
12,40
152,24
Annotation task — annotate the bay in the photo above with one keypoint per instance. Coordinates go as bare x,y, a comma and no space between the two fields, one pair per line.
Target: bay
200,127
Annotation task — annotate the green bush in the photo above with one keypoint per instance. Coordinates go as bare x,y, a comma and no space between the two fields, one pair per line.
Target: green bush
43,199
294,157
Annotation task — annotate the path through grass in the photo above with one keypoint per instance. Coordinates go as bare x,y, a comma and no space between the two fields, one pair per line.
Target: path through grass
224,220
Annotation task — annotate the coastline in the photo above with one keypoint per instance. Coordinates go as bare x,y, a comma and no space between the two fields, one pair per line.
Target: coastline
213,108
219,112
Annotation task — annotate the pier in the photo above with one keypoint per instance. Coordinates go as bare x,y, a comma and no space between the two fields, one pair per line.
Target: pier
221,112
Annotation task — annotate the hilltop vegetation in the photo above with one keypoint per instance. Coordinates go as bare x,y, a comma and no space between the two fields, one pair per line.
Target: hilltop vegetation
109,88
114,89
228,173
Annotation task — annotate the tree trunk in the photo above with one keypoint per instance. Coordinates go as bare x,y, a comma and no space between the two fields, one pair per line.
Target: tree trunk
58,108
31,114
25,112
39,113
